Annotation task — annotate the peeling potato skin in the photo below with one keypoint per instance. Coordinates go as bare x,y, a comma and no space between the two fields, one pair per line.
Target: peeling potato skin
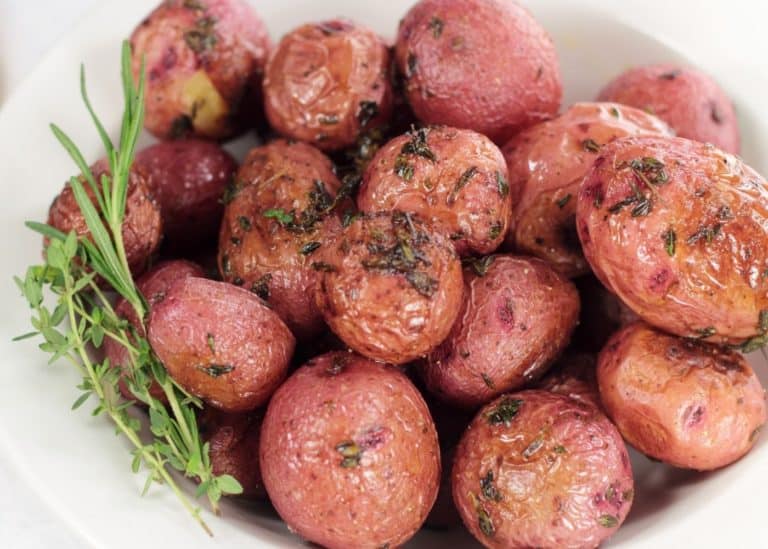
691,102
448,51
153,285
684,402
142,225
232,60
513,324
575,376
378,313
381,499
202,324
714,284
319,78
573,490
464,192
261,255
188,177
547,163
234,447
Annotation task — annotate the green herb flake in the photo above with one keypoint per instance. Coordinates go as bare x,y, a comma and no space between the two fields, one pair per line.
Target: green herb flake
560,449
418,145
211,343
488,381
202,37
403,169
280,216
590,145
670,240
614,112
350,452
488,489
461,183
308,248
422,283
704,333
436,26
504,412
495,230
232,189
328,119
244,223
261,286
479,265
608,521
323,267
705,233
628,495
216,370
367,111
485,523
563,201
502,184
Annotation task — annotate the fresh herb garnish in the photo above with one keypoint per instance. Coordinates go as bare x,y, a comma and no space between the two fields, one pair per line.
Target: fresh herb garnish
436,26
479,264
590,145
495,231
461,183
350,452
670,241
704,333
279,215
608,521
561,202
328,119
614,112
403,169
308,248
202,37
505,411
485,523
418,145
502,184
705,233
488,381
487,488
244,223
216,370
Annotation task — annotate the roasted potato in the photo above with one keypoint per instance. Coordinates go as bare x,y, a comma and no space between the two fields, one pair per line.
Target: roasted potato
538,469
681,401
349,453
456,179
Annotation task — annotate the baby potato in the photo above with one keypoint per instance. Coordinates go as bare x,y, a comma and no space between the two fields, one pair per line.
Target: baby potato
517,316
204,64
390,286
456,179
681,401
678,230
547,163
538,469
221,343
327,82
349,453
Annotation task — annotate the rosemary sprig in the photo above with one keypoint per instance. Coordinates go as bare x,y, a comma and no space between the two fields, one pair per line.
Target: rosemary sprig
70,273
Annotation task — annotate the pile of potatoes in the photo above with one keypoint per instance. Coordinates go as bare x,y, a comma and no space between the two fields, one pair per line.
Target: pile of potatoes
379,304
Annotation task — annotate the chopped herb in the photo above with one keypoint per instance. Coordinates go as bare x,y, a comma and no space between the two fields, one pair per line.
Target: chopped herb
650,170
614,112
485,523
261,286
368,111
752,344
202,37
411,63
670,240
232,189
324,267
418,144
244,223
533,447
671,75
559,449
350,452
308,248
181,126
563,201
643,207
328,119
216,370
461,183
628,495
505,411
211,343
502,184
436,26
279,215
422,283
488,489
495,231
403,169
705,233
488,381
704,333
194,5
590,145
608,521
349,217
616,208
479,264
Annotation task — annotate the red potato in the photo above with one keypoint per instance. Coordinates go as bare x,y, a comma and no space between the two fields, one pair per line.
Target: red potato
687,99
390,287
142,225
204,64
188,178
456,179
547,163
485,65
517,316
349,453
537,469
221,343
684,402
278,216
678,230
575,376
327,82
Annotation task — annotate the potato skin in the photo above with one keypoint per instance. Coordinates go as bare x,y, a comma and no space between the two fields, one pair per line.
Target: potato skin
555,474
575,376
327,82
221,343
684,402
547,163
380,303
514,322
448,51
142,225
264,255
349,453
687,253
691,102
204,62
460,186
188,177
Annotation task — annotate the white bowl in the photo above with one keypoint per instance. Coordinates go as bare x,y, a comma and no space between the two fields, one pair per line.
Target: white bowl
82,471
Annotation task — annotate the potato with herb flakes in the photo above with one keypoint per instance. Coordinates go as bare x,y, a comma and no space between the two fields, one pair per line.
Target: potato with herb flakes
546,165
221,343
485,65
678,230
390,286
691,102
517,316
538,469
280,213
326,83
456,179
681,401
349,453
204,64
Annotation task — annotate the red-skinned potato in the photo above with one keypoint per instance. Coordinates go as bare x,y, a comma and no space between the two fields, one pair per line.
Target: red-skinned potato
575,376
517,316
281,212
691,102
188,178
547,163
684,402
142,225
538,469
221,343
326,83
678,230
456,179
349,453
204,63
485,65
390,287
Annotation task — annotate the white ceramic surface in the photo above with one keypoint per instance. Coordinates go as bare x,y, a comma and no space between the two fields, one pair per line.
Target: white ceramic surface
81,471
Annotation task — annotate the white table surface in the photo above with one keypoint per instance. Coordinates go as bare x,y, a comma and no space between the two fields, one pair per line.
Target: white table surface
29,28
